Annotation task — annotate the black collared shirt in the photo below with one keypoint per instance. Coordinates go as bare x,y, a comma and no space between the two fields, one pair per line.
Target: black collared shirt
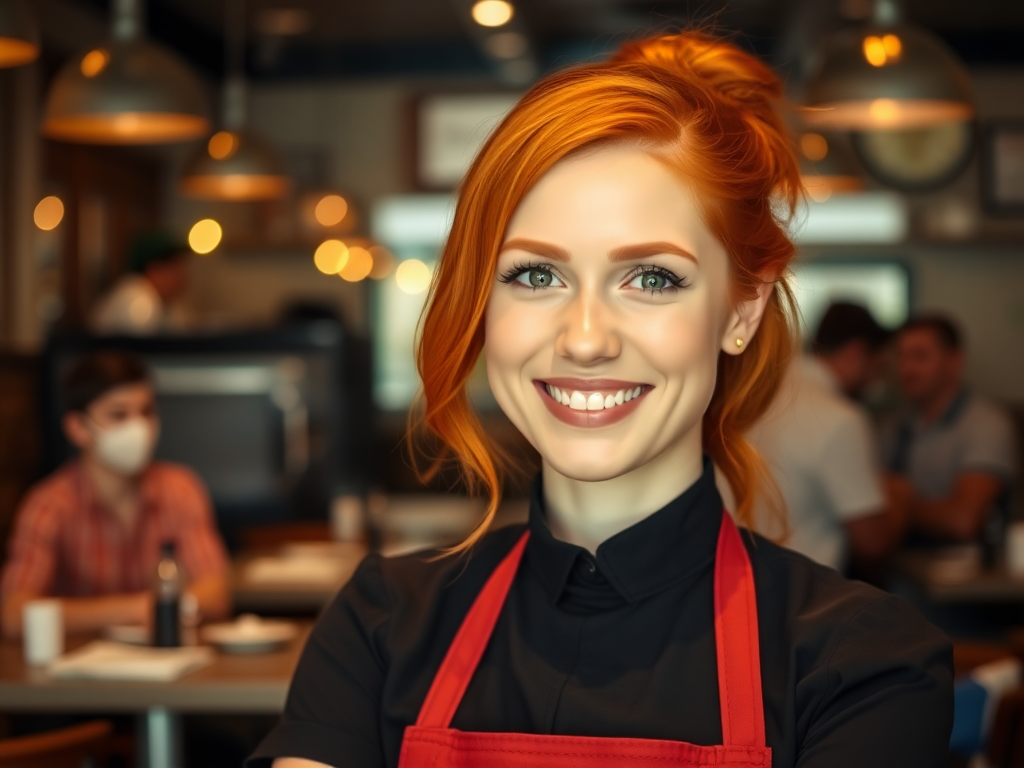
622,644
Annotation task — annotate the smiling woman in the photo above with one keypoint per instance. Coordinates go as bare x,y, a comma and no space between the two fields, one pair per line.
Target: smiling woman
619,254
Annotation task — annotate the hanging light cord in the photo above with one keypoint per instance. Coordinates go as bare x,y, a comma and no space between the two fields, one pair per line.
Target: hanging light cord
127,19
887,13
234,64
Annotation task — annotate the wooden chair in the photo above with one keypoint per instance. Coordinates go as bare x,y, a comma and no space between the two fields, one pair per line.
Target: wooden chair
64,748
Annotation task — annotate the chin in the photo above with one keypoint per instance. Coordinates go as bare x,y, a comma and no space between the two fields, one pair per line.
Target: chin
598,464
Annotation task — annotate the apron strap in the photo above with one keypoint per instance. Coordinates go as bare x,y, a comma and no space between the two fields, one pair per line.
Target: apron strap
469,644
737,641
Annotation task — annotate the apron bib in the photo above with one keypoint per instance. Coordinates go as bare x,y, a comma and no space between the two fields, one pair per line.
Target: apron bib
431,743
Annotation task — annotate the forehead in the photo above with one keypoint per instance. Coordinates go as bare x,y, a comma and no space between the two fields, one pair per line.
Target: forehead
612,193
125,395
921,337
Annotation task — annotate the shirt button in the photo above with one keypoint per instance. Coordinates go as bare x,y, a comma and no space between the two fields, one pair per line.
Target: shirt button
588,566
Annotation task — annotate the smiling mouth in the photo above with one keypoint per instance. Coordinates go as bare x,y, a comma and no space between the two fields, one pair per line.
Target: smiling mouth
591,403
591,400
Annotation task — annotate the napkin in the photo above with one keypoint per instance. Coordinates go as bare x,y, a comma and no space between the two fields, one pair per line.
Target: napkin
105,660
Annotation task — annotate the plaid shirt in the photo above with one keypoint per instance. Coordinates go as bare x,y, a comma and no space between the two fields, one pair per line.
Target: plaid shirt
65,544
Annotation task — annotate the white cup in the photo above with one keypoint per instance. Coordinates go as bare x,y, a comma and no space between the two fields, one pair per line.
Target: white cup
43,630
1015,549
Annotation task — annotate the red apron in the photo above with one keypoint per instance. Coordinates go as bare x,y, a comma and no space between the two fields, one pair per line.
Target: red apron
431,743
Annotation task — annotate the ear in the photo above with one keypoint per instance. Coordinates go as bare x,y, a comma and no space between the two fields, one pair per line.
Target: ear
76,431
745,319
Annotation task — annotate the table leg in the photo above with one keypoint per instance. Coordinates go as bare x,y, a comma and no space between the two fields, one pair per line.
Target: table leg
160,739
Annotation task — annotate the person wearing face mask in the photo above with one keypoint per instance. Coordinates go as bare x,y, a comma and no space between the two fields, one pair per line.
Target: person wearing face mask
90,534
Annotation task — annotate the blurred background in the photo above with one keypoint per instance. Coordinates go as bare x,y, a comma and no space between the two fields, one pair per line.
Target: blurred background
305,156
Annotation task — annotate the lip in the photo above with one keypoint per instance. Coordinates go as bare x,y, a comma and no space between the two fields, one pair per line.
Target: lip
589,419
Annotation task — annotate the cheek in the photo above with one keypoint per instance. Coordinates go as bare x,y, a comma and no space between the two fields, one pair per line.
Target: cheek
513,333
682,342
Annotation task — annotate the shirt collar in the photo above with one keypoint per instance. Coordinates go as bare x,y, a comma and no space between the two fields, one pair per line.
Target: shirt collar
671,545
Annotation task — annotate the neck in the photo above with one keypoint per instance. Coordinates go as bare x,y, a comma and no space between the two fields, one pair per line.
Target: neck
932,408
587,513
115,492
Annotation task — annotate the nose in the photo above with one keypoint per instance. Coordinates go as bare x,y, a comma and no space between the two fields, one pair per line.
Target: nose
588,334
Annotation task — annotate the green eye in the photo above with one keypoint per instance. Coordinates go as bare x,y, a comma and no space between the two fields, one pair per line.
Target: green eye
654,282
540,278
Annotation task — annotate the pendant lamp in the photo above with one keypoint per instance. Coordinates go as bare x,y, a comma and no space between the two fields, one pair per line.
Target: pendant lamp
126,91
888,75
235,164
19,37
827,166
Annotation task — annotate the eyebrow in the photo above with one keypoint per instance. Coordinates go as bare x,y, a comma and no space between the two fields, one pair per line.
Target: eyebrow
624,253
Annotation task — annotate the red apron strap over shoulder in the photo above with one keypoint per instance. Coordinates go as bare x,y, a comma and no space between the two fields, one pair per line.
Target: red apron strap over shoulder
737,641
469,644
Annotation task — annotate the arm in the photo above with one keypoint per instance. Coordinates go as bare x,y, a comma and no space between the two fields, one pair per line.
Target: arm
962,514
81,614
213,596
873,536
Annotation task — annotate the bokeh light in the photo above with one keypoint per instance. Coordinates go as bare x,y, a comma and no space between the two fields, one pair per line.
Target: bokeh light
358,265
94,62
48,213
331,256
814,146
492,13
383,262
222,145
413,276
205,235
331,210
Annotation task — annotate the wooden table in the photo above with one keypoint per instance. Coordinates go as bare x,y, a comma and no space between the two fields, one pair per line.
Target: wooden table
233,684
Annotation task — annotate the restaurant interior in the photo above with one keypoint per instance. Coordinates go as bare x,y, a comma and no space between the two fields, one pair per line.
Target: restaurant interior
306,154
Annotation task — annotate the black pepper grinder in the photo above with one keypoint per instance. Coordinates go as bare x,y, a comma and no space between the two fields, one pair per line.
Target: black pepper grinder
167,599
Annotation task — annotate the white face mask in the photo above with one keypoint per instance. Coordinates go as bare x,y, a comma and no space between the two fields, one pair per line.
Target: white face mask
125,448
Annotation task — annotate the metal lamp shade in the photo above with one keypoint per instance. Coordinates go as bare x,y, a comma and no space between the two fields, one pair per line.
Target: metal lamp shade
126,92
19,38
835,171
235,165
859,87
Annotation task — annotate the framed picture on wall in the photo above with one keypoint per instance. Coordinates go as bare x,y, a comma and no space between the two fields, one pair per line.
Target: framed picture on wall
1002,168
449,129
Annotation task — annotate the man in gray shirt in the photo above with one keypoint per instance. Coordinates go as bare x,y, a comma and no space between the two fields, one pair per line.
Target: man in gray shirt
953,450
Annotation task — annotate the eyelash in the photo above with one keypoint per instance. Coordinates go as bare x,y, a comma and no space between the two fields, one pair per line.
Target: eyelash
640,270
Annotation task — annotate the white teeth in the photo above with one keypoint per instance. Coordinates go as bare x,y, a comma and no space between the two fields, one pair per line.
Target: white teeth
595,401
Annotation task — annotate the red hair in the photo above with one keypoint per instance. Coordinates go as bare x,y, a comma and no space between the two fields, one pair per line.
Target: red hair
709,111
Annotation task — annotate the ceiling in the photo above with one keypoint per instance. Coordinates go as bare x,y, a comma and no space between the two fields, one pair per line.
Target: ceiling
412,38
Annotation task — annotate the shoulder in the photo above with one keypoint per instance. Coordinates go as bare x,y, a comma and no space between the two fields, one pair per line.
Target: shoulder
983,414
825,611
166,473
841,630
58,493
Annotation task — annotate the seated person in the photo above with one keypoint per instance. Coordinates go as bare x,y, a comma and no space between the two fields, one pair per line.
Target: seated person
952,450
820,448
91,532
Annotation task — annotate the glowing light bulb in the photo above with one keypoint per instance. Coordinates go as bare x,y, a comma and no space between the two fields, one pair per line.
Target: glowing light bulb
94,62
205,235
492,13
358,265
222,145
331,256
331,210
48,213
413,276
893,47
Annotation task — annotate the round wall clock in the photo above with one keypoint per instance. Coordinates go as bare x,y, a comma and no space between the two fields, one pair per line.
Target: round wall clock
918,160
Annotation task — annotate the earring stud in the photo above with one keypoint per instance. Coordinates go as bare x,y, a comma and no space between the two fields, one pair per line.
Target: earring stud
739,343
